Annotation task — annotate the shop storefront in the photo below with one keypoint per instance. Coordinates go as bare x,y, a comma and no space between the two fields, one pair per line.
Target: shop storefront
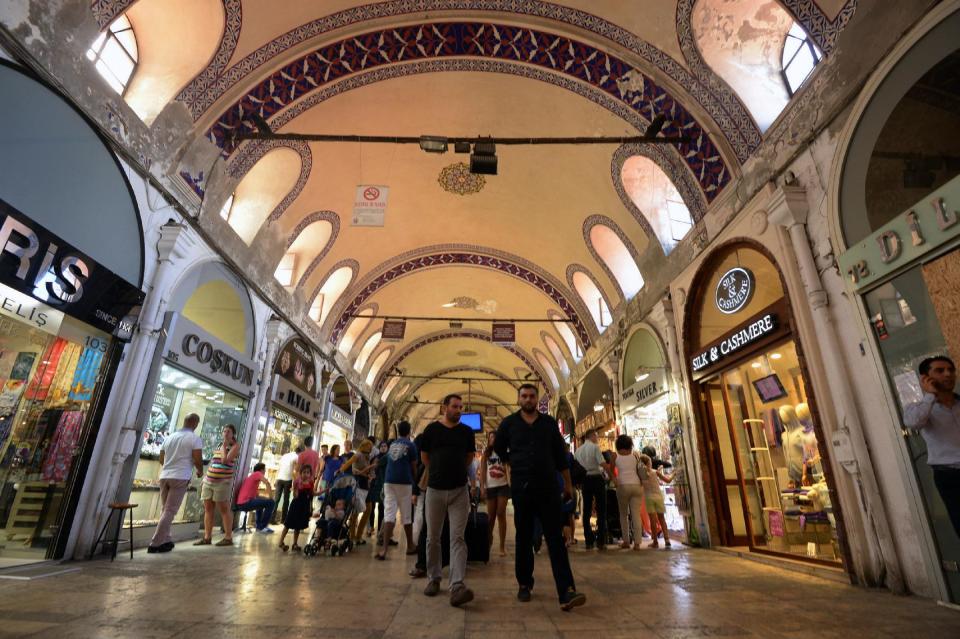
337,426
901,225
645,406
68,305
596,410
293,408
762,448
198,374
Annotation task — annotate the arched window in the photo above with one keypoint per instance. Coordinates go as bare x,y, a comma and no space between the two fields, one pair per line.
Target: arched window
547,366
554,349
654,195
355,330
567,335
284,272
312,244
592,297
367,349
800,55
114,54
615,255
378,363
227,207
262,188
742,42
329,293
389,387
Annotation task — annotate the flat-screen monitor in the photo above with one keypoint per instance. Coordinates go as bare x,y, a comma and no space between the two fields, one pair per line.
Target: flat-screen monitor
473,420
769,388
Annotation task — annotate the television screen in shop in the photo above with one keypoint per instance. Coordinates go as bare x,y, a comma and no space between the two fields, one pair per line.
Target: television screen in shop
473,420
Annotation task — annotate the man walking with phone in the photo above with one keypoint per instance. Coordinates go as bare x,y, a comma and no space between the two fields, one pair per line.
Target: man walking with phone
530,442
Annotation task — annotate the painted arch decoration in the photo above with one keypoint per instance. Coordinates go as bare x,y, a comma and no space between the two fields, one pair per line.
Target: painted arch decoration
439,336
715,97
554,53
461,255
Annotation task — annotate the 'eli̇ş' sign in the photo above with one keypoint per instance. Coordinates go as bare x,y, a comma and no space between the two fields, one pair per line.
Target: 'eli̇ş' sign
925,226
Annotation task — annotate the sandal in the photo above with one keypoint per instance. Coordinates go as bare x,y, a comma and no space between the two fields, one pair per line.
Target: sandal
224,542
284,547
202,542
625,545
296,548
655,544
666,544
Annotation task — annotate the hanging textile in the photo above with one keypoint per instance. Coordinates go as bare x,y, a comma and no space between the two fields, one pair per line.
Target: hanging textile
85,377
60,453
39,386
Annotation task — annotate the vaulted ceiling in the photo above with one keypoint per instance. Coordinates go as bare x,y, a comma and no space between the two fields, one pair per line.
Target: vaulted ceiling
513,245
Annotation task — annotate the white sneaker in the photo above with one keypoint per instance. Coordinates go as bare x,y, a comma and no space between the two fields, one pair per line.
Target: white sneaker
266,531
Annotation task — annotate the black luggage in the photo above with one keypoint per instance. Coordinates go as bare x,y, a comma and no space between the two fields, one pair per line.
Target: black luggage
477,535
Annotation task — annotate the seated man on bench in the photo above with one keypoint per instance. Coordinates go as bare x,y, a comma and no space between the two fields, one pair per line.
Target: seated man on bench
248,498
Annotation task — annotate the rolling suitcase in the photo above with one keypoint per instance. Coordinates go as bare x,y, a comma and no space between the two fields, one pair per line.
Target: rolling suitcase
477,535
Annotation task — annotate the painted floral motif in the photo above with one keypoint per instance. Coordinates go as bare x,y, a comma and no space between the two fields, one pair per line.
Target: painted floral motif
458,179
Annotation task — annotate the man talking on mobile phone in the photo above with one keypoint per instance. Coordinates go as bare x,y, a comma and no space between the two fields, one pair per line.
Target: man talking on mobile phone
531,443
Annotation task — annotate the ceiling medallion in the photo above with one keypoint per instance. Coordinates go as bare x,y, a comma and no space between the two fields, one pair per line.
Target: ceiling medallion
458,179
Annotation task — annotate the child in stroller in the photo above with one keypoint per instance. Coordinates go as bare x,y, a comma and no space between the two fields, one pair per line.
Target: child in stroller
331,531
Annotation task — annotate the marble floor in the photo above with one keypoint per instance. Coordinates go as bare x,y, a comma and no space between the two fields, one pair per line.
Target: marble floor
252,590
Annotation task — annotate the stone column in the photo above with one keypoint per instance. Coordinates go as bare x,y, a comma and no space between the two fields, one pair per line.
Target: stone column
876,561
264,388
118,435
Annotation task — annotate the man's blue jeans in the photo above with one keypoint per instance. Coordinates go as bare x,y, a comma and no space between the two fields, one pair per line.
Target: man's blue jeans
264,508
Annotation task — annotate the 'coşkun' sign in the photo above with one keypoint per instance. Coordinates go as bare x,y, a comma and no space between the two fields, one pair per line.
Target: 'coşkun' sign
927,225
190,347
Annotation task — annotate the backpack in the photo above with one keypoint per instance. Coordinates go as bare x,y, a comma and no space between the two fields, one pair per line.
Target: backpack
578,474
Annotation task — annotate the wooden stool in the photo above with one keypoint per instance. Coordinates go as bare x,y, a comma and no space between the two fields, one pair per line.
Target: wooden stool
116,507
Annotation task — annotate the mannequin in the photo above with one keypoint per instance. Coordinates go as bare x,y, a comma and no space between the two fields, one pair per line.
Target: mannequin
811,453
792,440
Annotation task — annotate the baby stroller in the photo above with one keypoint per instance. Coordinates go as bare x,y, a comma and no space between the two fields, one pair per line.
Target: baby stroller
345,488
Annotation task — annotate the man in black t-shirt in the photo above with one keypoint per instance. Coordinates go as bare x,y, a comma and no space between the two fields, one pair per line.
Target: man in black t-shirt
446,450
531,443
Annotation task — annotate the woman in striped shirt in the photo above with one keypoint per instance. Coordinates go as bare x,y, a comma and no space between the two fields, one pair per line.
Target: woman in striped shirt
216,488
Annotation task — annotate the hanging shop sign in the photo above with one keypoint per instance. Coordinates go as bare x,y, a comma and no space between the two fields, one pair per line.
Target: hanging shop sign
504,333
393,330
370,205
924,227
192,348
734,290
295,366
39,264
339,417
644,391
293,400
741,337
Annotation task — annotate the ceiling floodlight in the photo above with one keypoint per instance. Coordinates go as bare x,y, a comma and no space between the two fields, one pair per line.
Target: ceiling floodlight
461,147
483,160
433,143
456,324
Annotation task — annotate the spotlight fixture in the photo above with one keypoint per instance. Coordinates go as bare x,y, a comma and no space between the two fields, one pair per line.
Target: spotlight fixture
456,324
433,143
461,147
483,160
598,406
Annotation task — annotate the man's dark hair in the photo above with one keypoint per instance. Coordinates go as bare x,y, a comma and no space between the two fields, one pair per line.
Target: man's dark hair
259,467
298,449
928,363
403,429
308,441
451,397
624,442
532,387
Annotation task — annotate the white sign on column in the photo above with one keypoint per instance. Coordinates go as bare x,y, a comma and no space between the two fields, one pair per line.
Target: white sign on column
370,205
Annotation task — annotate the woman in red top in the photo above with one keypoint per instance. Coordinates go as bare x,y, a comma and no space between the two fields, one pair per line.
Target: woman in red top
298,517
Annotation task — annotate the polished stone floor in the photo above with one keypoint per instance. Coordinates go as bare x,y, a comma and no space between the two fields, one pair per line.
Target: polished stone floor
254,591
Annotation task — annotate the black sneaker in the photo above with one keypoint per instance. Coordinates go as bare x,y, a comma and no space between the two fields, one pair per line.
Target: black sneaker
167,547
571,599
523,594
151,550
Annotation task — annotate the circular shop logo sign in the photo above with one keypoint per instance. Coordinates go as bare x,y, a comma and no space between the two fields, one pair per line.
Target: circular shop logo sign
734,290
371,193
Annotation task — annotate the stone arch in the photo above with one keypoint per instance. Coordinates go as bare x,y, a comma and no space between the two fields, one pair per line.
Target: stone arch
632,257
572,271
354,267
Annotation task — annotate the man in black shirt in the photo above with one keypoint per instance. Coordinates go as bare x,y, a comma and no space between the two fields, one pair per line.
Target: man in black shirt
446,450
530,441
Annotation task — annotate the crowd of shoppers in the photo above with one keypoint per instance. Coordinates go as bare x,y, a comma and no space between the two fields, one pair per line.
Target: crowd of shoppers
432,484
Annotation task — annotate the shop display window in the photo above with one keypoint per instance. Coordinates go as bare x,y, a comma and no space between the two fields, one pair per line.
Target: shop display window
178,394
648,426
773,474
48,374
277,435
